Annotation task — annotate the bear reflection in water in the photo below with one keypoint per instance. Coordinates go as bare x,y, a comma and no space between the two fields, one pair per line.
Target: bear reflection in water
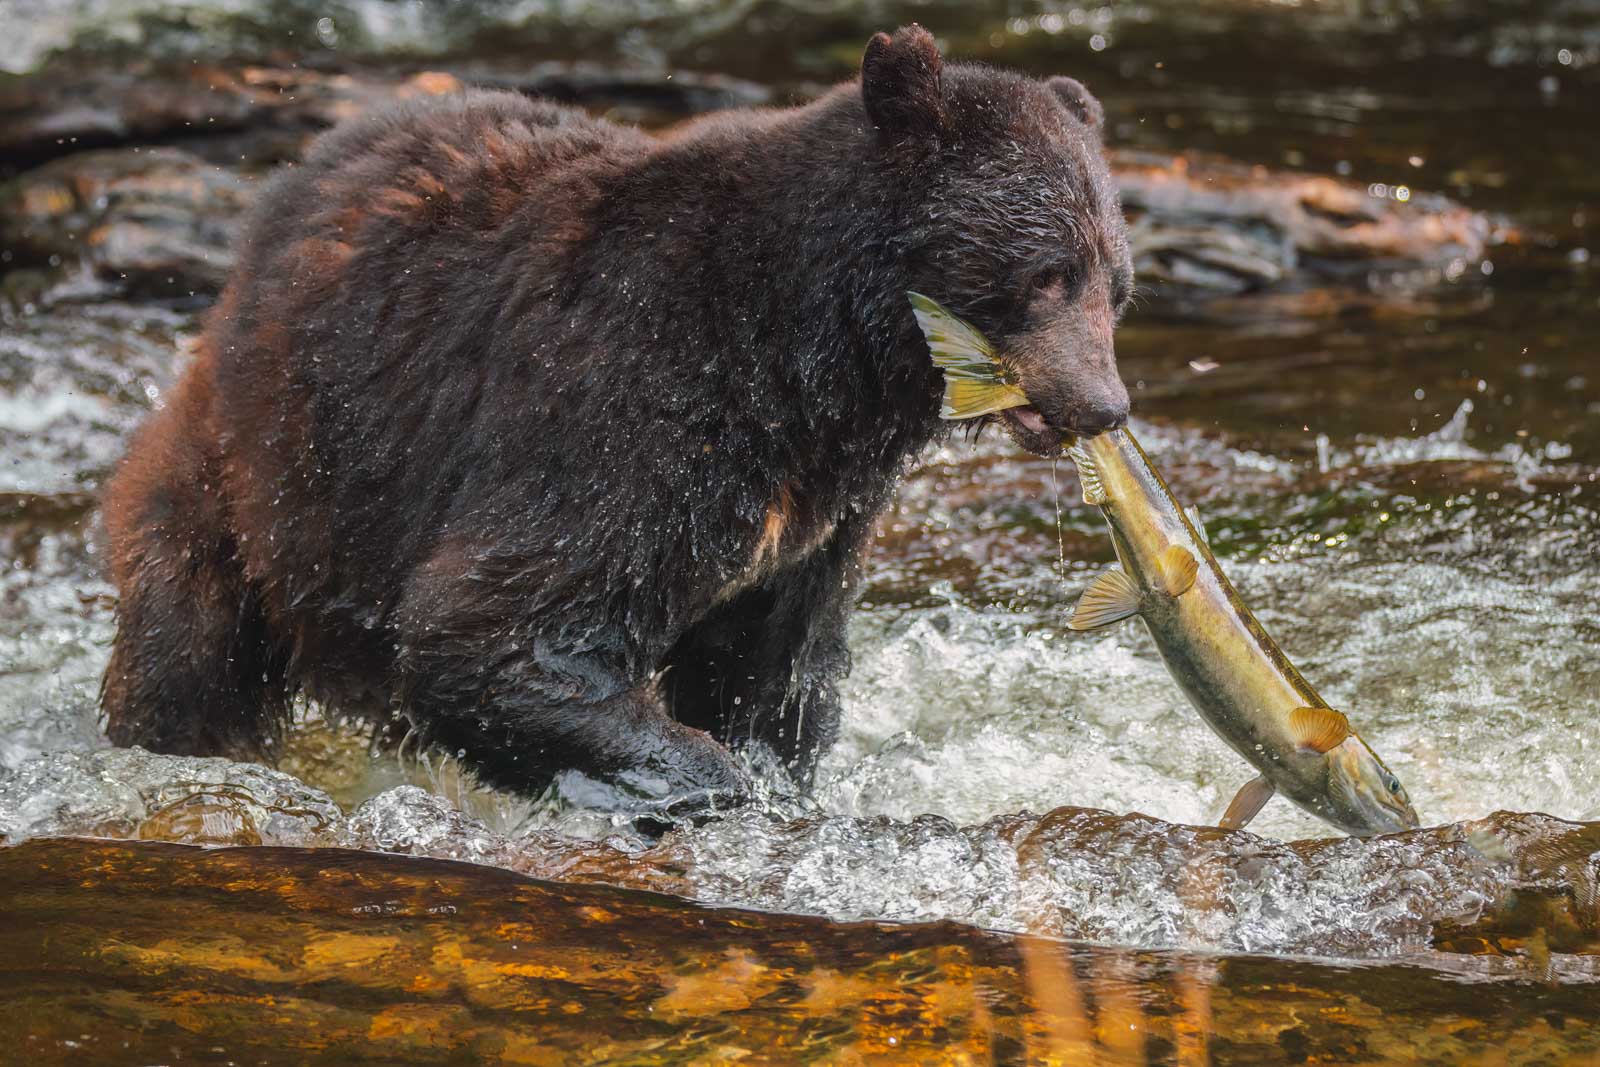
561,443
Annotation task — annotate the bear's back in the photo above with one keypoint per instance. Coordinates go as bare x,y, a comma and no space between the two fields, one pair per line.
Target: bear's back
464,162
348,353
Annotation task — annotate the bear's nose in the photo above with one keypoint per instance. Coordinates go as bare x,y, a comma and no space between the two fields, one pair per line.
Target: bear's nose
1097,418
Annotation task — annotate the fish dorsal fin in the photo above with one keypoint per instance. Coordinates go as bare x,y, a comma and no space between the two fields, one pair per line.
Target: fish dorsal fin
975,382
1198,523
1247,802
1094,491
1110,598
1178,568
1318,729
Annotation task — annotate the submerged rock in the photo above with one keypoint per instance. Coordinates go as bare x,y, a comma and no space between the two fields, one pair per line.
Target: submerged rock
1208,223
144,952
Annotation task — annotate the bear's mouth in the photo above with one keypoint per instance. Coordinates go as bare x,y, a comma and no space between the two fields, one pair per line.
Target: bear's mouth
1028,428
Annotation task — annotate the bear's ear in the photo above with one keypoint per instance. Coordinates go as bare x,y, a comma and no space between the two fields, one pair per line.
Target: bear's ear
900,85
1080,102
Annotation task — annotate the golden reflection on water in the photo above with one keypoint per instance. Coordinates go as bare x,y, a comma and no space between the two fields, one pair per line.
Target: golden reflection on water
143,952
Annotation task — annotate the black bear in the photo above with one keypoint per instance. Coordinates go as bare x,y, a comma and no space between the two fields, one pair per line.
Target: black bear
561,443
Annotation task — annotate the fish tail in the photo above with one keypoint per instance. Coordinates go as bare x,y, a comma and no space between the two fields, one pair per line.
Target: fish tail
976,382
968,399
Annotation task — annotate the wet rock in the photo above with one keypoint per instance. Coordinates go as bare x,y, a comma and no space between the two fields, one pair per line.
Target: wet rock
143,222
1202,222
70,106
160,221
649,96
153,220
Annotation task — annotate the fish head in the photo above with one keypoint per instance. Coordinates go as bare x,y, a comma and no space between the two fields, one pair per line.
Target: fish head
1363,796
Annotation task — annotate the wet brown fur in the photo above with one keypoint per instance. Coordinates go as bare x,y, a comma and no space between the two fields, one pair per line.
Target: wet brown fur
563,443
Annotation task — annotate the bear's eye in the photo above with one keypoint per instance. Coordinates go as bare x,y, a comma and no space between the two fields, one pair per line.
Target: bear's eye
1062,281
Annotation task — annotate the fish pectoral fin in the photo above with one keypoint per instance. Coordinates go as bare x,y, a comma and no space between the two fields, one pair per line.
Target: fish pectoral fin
1247,802
1318,729
1197,522
1094,491
1178,568
1110,598
965,398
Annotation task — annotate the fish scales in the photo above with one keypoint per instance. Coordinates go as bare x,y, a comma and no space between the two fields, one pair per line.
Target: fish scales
1228,666
1205,628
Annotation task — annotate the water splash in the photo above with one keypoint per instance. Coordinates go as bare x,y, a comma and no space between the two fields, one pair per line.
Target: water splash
1075,872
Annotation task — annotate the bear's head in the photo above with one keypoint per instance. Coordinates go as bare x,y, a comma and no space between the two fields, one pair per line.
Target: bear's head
1011,220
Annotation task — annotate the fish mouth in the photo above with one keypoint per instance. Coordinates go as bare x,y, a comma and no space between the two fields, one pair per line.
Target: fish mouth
1375,820
1028,429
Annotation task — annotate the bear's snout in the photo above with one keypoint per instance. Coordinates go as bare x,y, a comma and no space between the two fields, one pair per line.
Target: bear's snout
1068,368
1079,396
1068,365
1102,413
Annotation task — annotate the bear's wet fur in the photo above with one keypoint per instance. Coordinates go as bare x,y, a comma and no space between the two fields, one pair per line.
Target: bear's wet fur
561,443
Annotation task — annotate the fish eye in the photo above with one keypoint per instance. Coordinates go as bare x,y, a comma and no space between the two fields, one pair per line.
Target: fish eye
1391,783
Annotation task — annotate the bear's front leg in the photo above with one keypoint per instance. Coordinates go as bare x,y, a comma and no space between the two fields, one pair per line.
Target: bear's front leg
520,711
522,738
764,665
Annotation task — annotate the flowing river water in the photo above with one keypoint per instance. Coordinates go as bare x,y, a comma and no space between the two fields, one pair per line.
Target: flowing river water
1398,467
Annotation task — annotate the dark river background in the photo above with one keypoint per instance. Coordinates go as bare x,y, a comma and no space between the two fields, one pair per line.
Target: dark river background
1395,456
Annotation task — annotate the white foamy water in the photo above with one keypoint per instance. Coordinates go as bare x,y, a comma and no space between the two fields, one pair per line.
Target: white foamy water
72,385
1075,872
970,712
